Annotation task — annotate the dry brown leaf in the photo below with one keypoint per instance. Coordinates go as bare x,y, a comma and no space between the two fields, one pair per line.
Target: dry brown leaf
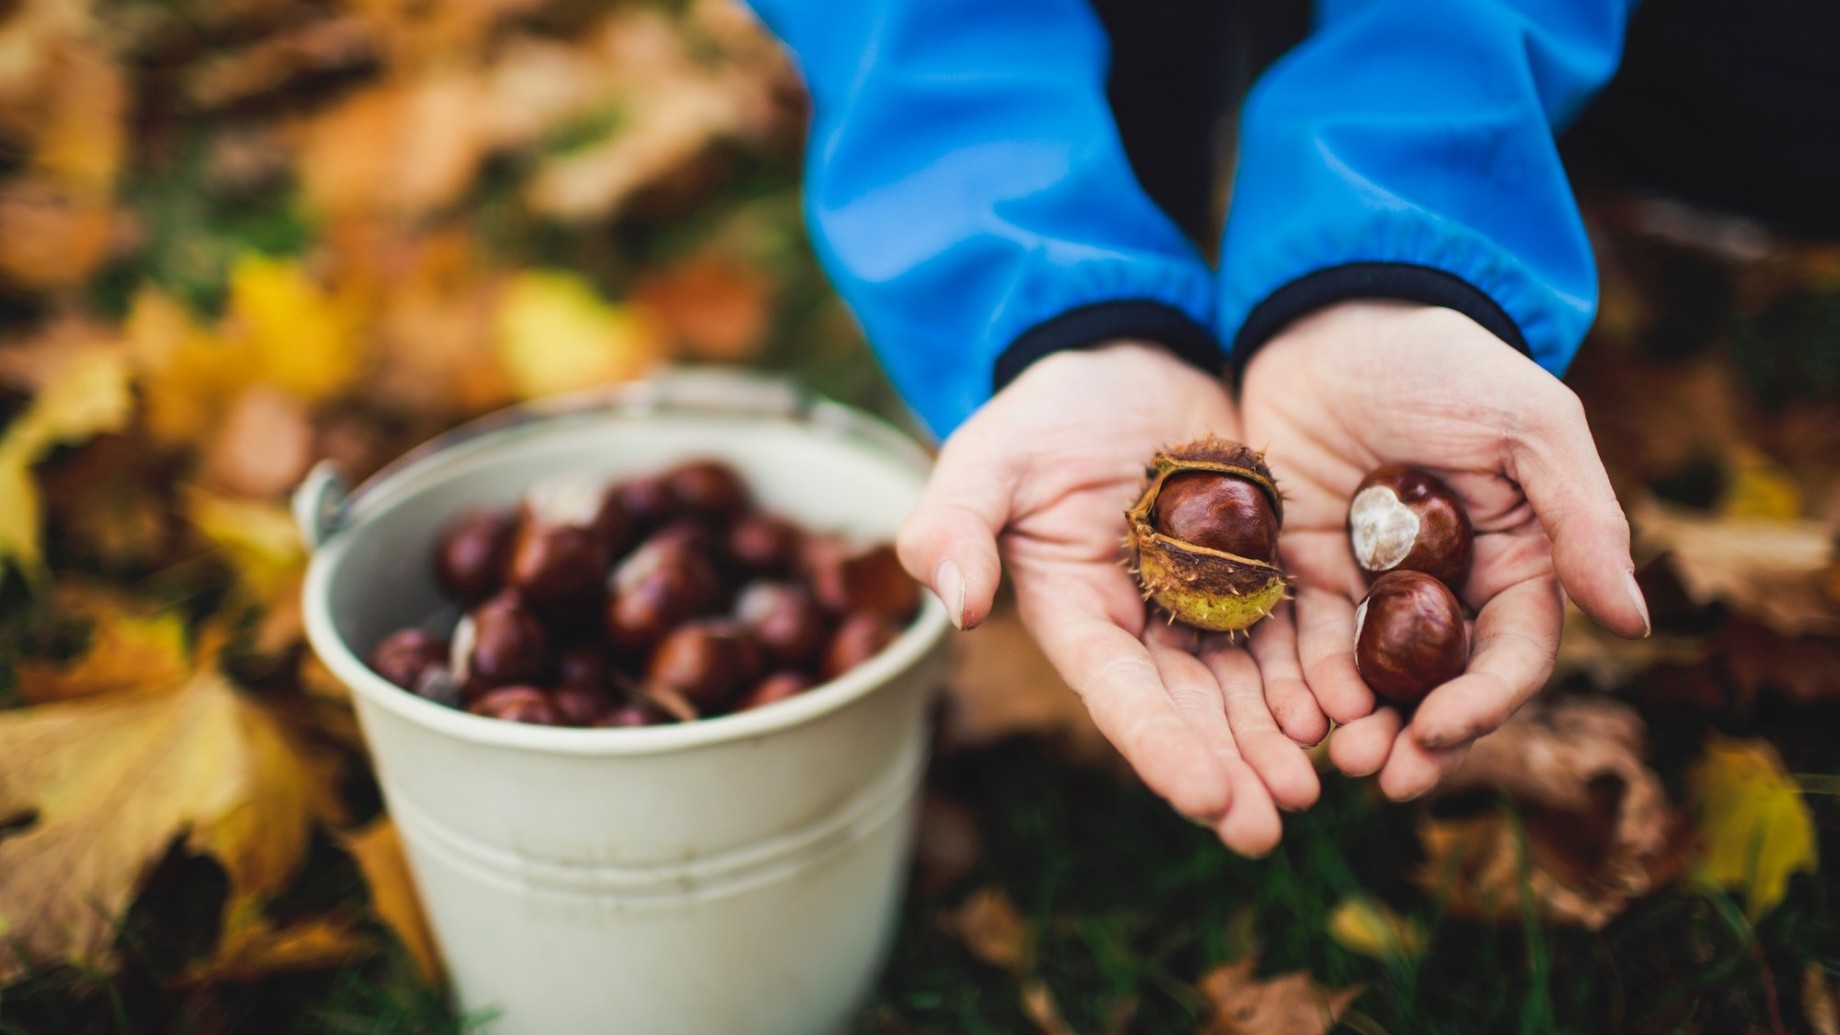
259,949
272,62
1042,1009
1769,570
378,850
993,930
1819,1004
108,782
1600,828
1756,660
1002,686
263,446
131,646
401,148
715,306
1610,661
1289,1004
50,237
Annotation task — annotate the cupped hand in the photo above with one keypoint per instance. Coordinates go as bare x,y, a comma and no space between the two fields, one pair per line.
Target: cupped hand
1044,471
1360,384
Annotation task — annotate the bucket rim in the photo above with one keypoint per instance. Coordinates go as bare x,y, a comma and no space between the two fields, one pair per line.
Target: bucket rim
923,638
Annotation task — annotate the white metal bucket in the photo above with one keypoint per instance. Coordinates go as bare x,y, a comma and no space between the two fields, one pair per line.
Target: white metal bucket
735,876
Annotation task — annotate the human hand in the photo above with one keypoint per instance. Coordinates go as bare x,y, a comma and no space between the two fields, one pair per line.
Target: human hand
1359,384
1046,470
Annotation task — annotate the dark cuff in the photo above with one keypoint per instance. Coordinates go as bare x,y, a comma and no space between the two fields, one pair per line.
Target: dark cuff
1397,280
1105,322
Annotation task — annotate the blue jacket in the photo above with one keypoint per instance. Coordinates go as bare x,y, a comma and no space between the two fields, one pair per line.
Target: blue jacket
968,194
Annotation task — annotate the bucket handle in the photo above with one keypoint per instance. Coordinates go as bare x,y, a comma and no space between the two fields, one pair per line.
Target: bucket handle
323,503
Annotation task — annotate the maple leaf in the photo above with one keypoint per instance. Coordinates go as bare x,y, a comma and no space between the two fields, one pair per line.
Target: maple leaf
994,930
1754,827
1289,1004
131,646
105,784
556,334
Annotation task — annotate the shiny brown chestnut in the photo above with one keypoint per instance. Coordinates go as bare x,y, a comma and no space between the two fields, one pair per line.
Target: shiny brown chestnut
580,705
709,488
1409,637
765,544
854,580
566,532
648,502
785,619
1220,512
776,687
666,581
1403,519
858,639
406,654
470,554
500,643
525,704
705,663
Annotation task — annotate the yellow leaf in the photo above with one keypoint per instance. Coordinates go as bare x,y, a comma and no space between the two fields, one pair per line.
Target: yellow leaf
131,647
19,512
1755,828
1761,490
1362,925
304,338
106,783
378,850
258,538
555,334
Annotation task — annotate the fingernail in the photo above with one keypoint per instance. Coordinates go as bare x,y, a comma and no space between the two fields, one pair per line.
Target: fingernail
949,583
1641,602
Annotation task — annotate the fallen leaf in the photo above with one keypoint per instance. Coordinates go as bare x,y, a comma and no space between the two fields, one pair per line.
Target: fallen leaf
556,334
1609,661
378,850
259,950
258,538
1001,685
1760,490
131,646
108,782
1819,1004
715,306
402,148
1756,660
187,374
948,844
49,236
1769,570
1289,1004
271,63
1755,829
993,930
1600,830
263,446
1371,928
301,337
1042,1009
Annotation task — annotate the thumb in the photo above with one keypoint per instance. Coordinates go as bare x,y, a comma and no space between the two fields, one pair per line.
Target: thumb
1556,462
949,542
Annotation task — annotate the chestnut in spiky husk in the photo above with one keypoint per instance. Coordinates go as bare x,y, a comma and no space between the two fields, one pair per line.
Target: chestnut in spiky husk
1409,637
1203,536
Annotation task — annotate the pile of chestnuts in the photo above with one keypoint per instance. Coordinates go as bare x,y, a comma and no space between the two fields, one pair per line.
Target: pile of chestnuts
657,599
1414,542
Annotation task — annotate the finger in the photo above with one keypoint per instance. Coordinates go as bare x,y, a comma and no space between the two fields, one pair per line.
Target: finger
949,542
1556,462
1411,770
1361,747
1115,677
1516,642
1274,648
1325,648
1275,757
1251,825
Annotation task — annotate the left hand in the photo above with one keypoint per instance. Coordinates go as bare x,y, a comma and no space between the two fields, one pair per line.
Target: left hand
1360,384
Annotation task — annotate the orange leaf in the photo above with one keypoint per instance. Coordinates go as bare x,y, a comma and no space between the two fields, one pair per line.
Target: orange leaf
378,850
131,647
1289,1004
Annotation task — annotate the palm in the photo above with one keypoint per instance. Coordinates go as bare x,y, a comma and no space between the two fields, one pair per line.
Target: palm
1427,388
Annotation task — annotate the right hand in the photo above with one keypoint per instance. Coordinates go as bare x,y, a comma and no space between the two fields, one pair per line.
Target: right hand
1046,470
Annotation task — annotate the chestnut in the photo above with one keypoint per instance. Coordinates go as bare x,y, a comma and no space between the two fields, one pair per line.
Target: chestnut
776,687
406,654
859,638
437,684
470,555
668,579
566,534
1218,511
709,488
518,704
785,619
500,643
848,580
1403,519
581,705
629,715
1409,637
705,663
647,502
765,544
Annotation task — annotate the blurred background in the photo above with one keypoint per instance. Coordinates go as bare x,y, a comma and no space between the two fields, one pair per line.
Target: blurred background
238,237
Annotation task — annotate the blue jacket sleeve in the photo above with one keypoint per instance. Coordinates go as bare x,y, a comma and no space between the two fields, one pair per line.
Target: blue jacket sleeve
969,196
1406,150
